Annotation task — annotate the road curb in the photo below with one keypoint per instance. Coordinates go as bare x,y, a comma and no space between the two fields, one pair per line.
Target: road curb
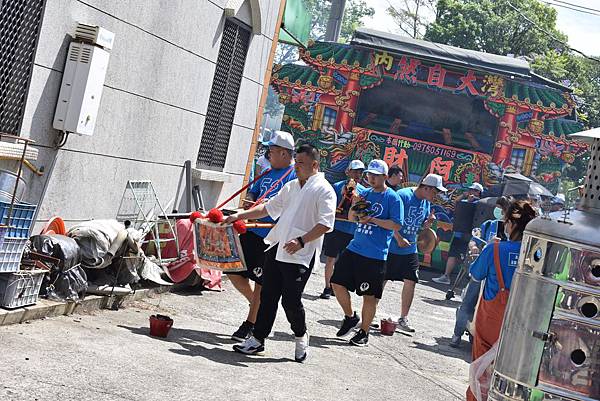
46,308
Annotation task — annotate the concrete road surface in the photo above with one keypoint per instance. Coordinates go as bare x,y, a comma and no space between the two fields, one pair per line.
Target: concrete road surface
108,355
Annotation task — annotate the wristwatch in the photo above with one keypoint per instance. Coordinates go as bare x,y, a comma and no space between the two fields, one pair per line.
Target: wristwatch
301,241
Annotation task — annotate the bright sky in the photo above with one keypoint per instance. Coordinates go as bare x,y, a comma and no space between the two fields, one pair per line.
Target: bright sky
583,29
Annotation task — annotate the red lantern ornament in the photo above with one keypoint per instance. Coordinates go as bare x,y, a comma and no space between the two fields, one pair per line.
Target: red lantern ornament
239,226
195,215
215,216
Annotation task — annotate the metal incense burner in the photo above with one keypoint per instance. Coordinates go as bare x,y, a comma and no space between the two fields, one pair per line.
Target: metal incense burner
550,341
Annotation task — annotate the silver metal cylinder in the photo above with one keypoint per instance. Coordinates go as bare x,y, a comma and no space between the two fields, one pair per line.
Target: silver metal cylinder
550,341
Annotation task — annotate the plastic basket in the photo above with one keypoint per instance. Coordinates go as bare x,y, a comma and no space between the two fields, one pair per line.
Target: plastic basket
20,288
11,250
20,219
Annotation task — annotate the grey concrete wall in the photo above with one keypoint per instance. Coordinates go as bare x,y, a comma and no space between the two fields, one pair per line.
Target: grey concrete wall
153,106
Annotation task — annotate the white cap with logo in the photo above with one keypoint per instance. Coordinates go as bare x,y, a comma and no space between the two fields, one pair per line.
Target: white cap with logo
356,165
378,167
434,180
476,187
282,139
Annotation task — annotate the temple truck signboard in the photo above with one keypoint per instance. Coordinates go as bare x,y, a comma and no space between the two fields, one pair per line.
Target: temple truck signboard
430,108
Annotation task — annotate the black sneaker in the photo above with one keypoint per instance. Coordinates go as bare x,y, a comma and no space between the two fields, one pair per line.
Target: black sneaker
360,339
348,324
326,294
243,332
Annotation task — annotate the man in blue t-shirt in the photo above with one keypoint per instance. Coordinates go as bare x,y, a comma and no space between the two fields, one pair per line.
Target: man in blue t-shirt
337,240
403,259
361,267
460,241
281,147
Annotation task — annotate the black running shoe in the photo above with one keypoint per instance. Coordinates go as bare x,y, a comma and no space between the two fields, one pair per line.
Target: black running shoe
360,339
326,294
348,324
243,332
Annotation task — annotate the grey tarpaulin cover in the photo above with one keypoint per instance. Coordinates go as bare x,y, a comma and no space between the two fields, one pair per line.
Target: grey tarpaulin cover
111,254
441,53
67,280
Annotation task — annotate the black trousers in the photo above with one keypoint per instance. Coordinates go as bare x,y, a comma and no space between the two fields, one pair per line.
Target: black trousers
285,281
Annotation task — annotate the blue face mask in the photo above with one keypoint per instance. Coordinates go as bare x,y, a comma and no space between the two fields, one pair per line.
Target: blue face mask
498,215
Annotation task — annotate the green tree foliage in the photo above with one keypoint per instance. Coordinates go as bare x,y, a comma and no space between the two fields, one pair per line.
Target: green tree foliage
493,26
355,11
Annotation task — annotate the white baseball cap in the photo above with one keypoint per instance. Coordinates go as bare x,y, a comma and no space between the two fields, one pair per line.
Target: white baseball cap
378,167
282,139
356,165
477,187
434,180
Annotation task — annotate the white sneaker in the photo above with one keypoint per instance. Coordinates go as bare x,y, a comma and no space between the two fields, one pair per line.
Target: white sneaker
251,346
301,348
443,279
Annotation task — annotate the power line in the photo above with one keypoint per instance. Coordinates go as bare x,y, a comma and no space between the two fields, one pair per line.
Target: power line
549,34
571,8
576,5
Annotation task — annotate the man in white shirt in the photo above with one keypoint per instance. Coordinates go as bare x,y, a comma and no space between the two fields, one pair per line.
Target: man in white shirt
305,208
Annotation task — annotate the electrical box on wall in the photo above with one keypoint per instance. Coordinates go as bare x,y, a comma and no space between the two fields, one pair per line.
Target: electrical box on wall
81,88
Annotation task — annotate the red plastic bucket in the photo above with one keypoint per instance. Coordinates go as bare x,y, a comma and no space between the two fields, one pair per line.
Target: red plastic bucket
160,325
388,327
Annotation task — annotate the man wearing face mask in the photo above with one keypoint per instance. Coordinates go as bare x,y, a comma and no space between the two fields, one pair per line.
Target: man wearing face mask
490,230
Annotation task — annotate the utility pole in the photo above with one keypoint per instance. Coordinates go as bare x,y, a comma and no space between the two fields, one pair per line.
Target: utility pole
334,24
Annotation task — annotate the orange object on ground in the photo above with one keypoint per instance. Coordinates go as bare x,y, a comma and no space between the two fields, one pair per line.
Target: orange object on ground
55,225
490,315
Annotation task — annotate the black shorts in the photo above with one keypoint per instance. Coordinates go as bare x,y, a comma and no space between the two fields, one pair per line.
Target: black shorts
459,246
335,242
254,249
402,267
359,274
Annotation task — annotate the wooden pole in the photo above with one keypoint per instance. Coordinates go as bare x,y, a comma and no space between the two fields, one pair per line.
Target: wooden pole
263,97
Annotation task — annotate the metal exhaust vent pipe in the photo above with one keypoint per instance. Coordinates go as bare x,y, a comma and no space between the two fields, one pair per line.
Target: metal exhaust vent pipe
550,341
590,202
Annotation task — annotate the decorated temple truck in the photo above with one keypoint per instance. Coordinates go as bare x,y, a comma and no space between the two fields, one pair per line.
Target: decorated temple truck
466,115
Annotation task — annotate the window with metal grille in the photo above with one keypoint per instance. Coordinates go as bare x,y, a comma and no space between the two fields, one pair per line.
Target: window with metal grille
517,158
20,22
223,96
329,117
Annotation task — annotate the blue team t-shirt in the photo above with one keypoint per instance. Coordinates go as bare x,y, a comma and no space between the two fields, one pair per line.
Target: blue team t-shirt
344,226
416,212
262,185
483,267
370,240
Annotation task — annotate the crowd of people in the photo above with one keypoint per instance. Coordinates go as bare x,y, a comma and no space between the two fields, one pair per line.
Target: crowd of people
367,230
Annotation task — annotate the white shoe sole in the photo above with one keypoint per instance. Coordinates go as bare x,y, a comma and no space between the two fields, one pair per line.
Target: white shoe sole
241,351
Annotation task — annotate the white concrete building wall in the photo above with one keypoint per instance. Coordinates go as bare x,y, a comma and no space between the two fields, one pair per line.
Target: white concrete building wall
153,106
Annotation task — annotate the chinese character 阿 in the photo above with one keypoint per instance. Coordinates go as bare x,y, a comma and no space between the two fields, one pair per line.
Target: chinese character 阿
466,82
436,76
441,167
385,59
408,70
